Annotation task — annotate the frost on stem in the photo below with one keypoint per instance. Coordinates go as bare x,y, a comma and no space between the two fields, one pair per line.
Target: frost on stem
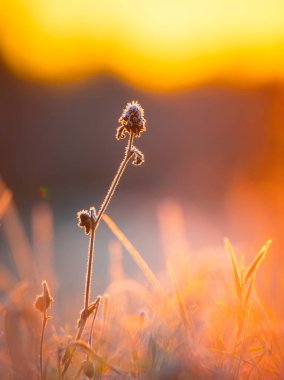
131,120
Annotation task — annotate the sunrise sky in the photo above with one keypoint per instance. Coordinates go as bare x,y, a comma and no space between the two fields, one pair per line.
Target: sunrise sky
156,45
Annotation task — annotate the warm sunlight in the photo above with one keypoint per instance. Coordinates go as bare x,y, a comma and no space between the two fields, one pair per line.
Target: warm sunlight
141,189
160,45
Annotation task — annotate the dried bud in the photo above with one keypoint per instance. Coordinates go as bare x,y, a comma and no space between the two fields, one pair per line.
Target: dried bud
44,300
84,315
131,120
88,369
87,219
138,156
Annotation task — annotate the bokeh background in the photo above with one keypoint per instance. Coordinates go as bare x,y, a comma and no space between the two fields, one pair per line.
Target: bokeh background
210,77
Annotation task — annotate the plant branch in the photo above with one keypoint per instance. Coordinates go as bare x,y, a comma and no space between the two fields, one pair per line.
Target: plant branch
128,154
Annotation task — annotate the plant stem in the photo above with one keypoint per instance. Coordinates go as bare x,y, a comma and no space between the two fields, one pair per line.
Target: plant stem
44,322
89,270
84,316
115,182
128,154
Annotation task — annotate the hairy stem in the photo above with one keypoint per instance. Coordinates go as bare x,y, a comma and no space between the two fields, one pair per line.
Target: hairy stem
84,314
89,270
128,154
115,182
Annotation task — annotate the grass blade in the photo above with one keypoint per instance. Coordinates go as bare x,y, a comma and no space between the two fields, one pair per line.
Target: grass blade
5,200
94,355
134,253
179,297
235,265
257,260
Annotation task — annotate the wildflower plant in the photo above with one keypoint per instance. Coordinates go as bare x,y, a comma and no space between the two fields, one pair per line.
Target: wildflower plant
133,123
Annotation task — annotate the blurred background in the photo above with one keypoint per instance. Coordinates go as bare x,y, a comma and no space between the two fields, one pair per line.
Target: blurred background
210,78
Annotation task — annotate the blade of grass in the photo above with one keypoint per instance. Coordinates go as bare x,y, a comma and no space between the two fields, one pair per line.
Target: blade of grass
249,292
235,265
257,261
94,355
5,200
179,298
134,253
19,244
245,328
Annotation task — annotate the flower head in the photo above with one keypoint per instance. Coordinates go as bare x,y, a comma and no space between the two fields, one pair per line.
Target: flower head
44,300
131,120
86,219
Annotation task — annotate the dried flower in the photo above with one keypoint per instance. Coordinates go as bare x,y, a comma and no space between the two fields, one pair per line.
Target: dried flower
138,156
86,313
86,219
44,300
131,120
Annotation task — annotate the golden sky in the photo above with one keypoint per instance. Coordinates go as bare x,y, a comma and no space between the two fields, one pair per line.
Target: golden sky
157,45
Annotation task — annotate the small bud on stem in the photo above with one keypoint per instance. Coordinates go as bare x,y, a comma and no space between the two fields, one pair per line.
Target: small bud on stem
42,303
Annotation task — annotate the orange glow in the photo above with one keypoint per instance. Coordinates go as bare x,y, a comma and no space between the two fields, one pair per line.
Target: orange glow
158,45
